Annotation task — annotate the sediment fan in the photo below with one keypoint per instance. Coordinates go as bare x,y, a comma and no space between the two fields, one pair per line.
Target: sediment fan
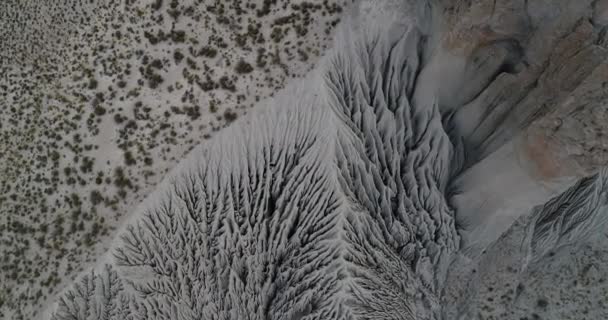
426,170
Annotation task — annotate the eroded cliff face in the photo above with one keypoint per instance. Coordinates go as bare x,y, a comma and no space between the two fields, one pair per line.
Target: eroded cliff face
518,61
535,127
520,87
443,162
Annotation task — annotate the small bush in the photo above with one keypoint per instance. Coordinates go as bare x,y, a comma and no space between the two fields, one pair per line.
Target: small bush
99,110
227,84
155,80
92,84
243,67
208,52
129,159
230,116
157,4
178,56
178,36
96,197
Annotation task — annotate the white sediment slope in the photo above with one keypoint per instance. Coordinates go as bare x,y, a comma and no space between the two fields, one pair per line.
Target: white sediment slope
411,175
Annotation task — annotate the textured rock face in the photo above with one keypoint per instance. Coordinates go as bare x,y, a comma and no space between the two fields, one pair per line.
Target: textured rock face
554,47
575,132
424,171
534,129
